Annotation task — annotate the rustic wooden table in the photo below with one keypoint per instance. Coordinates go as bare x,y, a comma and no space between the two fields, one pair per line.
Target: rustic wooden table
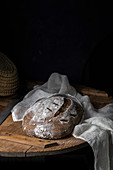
14,142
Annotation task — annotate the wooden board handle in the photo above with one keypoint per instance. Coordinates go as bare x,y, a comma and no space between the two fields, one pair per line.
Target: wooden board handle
41,143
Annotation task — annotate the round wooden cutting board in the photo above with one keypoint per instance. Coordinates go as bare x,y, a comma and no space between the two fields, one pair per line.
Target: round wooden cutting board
14,142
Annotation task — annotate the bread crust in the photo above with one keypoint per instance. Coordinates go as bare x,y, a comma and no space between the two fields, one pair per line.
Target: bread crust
53,118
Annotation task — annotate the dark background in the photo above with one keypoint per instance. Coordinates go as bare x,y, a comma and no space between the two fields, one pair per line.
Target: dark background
70,37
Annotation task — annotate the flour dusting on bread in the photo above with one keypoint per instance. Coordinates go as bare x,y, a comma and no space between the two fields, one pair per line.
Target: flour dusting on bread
53,117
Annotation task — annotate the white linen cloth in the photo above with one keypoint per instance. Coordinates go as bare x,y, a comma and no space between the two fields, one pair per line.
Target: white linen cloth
96,128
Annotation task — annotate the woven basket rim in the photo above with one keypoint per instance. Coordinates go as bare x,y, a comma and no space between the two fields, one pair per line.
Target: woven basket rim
9,80
7,83
9,86
8,93
13,79
7,67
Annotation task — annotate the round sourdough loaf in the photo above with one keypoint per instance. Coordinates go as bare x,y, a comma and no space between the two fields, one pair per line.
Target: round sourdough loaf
53,117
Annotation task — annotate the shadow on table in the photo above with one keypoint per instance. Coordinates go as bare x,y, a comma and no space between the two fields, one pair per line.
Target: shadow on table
80,160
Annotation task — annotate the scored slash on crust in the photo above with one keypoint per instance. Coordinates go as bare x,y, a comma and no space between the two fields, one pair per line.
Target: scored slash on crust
53,119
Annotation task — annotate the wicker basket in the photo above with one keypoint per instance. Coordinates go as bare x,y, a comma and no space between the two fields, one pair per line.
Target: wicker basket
9,81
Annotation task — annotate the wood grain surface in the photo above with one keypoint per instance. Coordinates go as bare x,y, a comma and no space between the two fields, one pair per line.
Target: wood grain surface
15,143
